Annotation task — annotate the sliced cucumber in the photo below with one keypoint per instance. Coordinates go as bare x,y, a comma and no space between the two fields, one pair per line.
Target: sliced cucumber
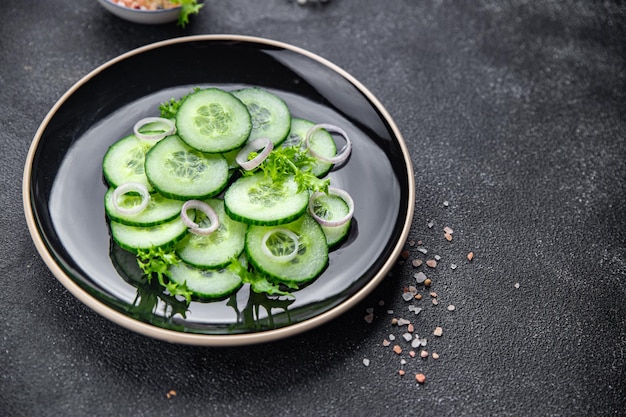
321,142
124,162
213,120
310,261
159,210
180,172
205,283
135,238
217,249
332,207
270,115
257,200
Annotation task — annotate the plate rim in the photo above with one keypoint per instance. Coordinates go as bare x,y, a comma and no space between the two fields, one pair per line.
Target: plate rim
180,337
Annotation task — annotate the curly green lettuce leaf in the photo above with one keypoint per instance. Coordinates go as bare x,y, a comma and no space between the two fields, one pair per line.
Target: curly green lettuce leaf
292,161
258,282
155,262
188,7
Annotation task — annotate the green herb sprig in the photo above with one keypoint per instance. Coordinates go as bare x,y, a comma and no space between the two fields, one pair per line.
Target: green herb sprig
155,263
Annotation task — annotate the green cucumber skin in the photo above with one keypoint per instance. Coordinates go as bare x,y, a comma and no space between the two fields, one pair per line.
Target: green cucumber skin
134,239
143,219
213,99
335,208
218,249
269,113
205,284
305,267
171,187
130,169
239,207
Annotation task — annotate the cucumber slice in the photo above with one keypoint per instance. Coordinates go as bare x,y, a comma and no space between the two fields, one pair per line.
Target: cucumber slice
308,264
321,142
205,284
135,238
213,120
217,249
159,210
257,200
270,115
124,162
332,207
180,172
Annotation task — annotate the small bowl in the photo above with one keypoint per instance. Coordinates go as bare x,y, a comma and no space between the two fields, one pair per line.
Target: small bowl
148,17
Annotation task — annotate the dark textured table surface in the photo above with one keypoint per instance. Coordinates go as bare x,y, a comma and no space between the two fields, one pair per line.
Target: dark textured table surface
514,114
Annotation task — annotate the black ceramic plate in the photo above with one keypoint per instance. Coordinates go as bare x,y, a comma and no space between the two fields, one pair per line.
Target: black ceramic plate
63,185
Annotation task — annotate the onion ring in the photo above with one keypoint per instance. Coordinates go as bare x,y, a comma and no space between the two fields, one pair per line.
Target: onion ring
129,187
281,258
342,155
336,192
206,209
154,137
261,143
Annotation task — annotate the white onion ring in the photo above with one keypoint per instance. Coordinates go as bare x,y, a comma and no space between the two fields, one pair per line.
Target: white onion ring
283,258
339,193
129,187
261,143
206,209
156,136
342,155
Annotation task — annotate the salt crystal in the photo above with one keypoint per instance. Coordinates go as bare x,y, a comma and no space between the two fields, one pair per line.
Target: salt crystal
423,250
453,266
402,322
423,342
451,307
403,362
438,331
431,263
448,230
407,296
392,337
407,336
412,289
366,362
417,310
389,311
431,224
420,277
446,203
437,257
416,342
517,285
369,310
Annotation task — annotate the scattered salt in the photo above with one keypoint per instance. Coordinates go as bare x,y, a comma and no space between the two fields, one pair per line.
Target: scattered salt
420,277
